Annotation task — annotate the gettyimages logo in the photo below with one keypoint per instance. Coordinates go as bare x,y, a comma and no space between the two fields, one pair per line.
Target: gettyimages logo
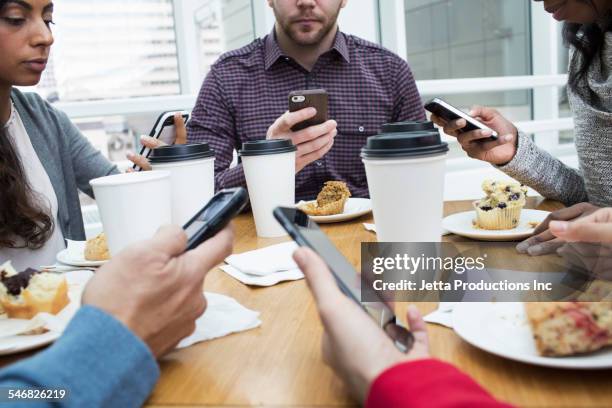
411,265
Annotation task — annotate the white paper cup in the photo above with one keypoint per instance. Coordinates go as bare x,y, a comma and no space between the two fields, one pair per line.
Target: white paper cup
405,171
192,177
132,206
269,169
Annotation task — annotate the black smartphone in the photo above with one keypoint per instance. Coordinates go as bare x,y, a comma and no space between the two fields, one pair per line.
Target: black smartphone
164,130
448,112
311,98
215,215
306,232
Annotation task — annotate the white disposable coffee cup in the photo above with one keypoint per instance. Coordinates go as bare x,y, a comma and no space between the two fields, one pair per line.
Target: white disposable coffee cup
269,169
132,206
405,167
192,177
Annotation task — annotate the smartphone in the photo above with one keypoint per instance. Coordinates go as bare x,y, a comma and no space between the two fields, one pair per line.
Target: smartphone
448,112
306,232
311,98
163,130
216,214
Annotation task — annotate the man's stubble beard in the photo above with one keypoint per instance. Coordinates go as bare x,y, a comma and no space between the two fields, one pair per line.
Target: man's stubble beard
318,38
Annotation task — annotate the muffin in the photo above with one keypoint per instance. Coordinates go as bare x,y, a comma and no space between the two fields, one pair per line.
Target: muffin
25,294
330,201
501,208
96,249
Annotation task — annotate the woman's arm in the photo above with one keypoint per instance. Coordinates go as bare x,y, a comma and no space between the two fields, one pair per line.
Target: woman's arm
87,161
545,174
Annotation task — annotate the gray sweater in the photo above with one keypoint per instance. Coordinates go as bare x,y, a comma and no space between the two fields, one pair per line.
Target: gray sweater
67,156
593,137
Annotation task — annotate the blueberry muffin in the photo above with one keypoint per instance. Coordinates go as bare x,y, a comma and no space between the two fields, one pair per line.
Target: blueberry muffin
501,208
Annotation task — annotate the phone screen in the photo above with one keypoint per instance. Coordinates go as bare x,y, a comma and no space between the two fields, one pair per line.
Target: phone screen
347,278
210,211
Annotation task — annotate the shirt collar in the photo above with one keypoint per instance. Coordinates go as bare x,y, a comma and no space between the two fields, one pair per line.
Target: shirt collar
273,52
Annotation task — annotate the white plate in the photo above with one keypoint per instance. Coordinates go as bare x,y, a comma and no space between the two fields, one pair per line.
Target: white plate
18,344
74,255
461,224
354,208
502,329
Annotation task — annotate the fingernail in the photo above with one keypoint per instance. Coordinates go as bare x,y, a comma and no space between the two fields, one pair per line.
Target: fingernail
471,113
535,250
129,155
522,247
486,132
507,138
559,226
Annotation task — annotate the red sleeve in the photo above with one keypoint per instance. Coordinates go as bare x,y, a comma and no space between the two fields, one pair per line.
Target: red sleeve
428,383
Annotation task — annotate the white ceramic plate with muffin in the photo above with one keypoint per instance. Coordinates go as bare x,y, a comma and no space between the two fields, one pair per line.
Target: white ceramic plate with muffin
11,342
464,224
74,255
353,208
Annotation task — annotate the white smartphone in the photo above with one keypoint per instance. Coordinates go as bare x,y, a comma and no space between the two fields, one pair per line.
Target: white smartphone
163,130
448,112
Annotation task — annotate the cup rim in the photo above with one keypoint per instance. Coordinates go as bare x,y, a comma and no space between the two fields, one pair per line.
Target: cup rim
129,178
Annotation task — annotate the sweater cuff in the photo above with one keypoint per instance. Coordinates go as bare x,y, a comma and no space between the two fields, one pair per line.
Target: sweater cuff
427,383
526,154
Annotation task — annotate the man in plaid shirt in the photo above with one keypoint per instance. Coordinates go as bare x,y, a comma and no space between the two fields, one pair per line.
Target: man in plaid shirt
245,96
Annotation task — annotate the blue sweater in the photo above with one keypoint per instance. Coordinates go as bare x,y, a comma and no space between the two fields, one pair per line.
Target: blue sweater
97,359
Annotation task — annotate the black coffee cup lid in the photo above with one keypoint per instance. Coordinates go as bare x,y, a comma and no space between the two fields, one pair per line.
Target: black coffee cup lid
180,152
265,147
400,127
405,139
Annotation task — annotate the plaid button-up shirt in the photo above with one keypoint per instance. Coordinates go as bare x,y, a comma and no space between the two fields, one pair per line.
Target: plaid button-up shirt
247,89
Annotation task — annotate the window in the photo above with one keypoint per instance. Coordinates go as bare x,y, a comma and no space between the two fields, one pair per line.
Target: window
471,38
112,49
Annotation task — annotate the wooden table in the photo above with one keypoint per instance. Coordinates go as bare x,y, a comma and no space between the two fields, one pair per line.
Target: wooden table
279,363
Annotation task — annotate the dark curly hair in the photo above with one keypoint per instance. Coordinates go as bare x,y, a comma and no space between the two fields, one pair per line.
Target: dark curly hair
587,39
23,223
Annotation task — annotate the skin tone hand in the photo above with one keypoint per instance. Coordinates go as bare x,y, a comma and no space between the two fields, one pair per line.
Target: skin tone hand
152,143
354,346
130,286
498,152
589,242
544,241
312,143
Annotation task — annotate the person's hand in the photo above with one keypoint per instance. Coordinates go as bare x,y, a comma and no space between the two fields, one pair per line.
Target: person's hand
498,152
353,344
155,288
543,241
153,143
312,143
595,227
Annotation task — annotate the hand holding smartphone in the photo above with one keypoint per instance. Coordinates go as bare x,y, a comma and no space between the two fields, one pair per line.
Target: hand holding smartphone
311,98
305,232
449,113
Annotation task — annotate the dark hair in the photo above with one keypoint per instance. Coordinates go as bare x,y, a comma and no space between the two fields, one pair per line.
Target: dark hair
20,217
587,39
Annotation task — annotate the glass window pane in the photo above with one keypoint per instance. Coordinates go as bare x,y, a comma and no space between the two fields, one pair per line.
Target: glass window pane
112,49
448,39
222,25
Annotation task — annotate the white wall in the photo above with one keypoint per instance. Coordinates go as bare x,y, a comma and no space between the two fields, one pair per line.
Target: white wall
359,17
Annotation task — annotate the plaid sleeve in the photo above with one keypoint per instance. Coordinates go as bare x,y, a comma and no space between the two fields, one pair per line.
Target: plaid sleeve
212,121
407,105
